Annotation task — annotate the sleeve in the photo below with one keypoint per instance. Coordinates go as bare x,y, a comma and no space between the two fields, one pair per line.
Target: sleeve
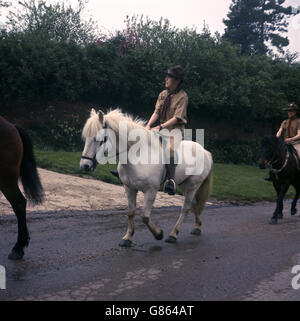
283,124
181,109
158,104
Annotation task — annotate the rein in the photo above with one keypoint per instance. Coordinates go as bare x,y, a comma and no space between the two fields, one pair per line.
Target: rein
275,170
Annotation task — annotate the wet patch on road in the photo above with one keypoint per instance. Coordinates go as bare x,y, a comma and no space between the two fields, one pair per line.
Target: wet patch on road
277,288
106,288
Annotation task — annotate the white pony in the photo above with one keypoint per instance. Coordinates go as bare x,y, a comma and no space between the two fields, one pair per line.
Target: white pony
102,135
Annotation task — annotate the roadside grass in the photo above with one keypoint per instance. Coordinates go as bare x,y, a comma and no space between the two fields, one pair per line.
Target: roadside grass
238,183
243,183
68,163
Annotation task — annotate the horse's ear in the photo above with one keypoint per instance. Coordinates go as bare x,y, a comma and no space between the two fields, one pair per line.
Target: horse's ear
101,116
93,112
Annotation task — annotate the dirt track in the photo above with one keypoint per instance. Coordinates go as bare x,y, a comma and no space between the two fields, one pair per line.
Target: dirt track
65,192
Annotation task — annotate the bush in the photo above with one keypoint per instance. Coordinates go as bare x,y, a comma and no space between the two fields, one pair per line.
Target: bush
230,151
58,134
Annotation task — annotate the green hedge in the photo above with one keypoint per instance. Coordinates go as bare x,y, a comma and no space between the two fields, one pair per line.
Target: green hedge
230,151
129,72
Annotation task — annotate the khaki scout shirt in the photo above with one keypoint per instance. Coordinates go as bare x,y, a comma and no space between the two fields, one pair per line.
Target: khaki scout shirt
178,108
292,129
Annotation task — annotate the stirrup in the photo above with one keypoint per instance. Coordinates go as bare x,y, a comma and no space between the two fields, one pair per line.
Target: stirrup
170,187
268,179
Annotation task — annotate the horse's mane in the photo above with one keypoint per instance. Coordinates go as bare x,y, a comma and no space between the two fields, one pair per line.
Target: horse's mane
275,142
112,119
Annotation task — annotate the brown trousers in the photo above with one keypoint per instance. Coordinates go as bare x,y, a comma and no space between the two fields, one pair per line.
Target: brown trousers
171,144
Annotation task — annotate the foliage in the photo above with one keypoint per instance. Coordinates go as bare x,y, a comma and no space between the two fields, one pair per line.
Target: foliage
255,25
56,133
232,151
58,21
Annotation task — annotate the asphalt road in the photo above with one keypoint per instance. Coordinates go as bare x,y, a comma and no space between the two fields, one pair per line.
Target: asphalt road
75,256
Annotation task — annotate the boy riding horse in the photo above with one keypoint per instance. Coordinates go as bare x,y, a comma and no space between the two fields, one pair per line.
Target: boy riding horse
171,112
291,130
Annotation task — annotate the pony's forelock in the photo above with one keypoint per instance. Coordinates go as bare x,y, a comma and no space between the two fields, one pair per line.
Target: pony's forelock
92,125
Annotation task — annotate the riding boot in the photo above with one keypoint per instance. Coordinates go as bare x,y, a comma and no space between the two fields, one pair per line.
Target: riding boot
170,185
115,173
270,178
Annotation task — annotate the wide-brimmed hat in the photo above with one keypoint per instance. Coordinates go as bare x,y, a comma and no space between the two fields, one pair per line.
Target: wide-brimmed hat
176,72
291,107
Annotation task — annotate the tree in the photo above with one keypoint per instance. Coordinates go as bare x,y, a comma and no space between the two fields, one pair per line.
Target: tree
56,21
3,4
255,25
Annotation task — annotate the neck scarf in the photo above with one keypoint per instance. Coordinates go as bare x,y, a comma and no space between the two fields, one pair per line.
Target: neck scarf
167,103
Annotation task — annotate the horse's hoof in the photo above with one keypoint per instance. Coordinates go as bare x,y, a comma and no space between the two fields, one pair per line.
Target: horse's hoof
125,243
273,221
196,231
294,211
16,255
171,239
160,235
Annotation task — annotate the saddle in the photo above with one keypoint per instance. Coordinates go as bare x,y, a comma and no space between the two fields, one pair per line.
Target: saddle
294,152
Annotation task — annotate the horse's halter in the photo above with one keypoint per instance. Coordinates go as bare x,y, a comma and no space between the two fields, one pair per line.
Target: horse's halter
105,140
270,163
93,159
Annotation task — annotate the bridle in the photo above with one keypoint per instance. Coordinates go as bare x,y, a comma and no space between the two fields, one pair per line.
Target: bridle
103,141
271,162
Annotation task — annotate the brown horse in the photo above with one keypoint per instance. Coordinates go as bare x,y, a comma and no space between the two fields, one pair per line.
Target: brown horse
280,159
17,161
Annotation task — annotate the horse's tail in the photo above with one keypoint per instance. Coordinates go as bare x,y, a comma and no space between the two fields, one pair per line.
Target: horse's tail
30,179
202,194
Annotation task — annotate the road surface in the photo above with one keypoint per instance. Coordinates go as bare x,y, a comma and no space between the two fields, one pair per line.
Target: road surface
75,256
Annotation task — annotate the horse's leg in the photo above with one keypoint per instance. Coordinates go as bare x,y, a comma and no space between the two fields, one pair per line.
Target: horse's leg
149,198
279,205
197,227
131,196
18,203
279,214
294,203
187,204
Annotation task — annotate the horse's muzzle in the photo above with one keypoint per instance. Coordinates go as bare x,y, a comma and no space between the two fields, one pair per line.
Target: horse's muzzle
89,166
86,167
